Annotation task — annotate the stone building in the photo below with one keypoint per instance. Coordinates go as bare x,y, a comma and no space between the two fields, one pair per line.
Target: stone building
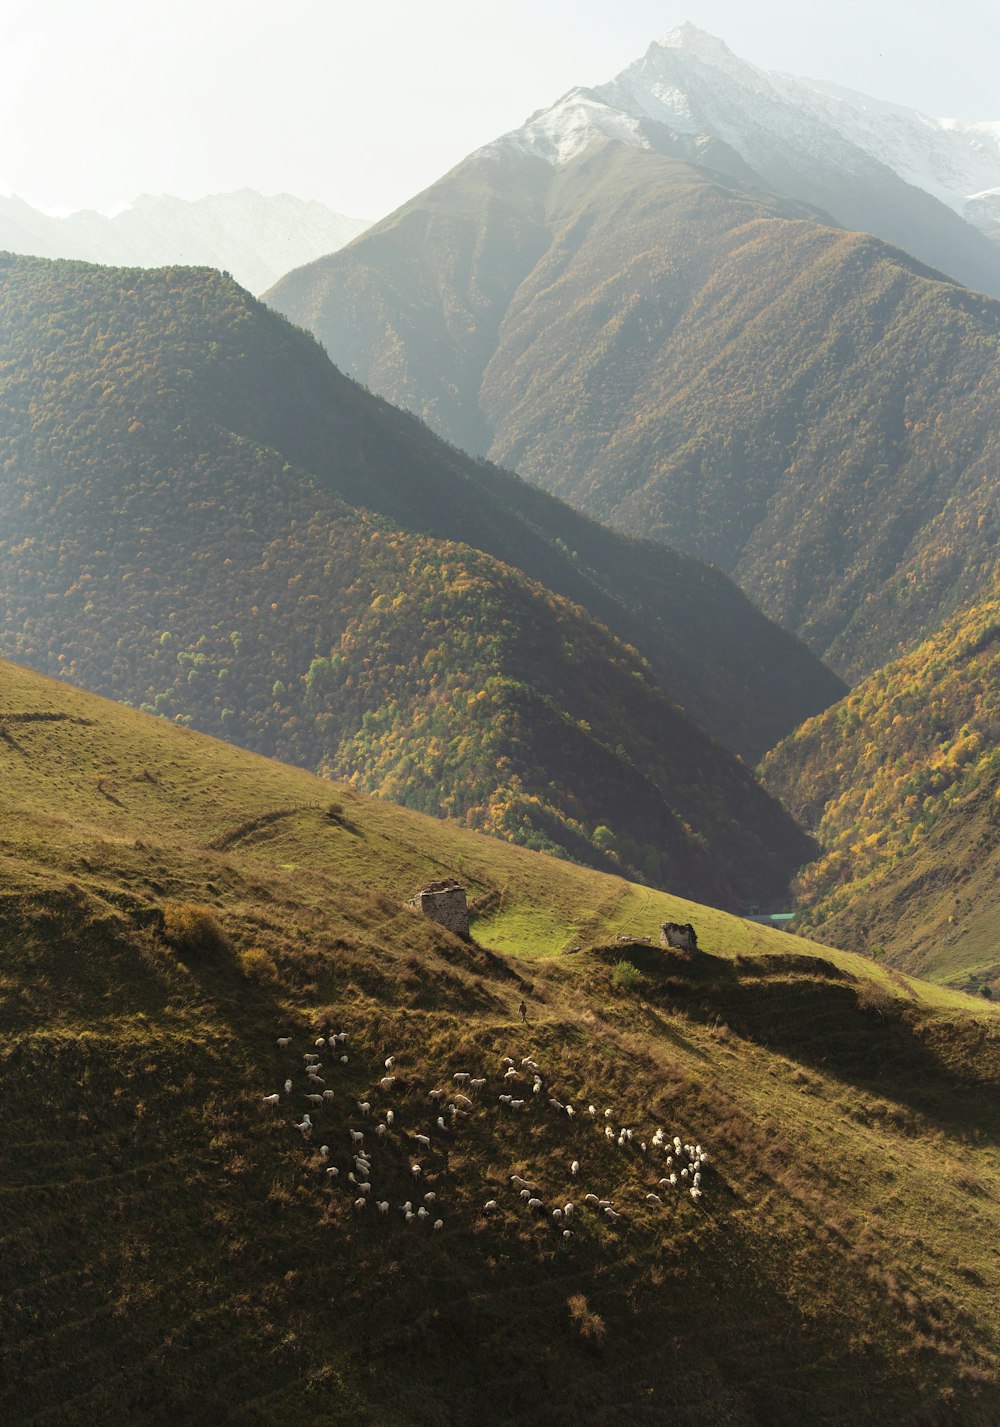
444,902
678,936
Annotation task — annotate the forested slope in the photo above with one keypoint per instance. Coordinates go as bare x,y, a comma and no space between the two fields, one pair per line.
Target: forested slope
901,784
175,460
695,360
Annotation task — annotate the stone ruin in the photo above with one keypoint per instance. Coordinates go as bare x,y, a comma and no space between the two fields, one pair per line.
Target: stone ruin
678,936
444,902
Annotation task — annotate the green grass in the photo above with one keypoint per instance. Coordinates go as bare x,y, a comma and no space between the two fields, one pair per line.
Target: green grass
171,1249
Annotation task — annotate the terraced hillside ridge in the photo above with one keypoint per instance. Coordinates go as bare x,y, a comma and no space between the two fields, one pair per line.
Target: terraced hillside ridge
176,461
185,926
652,336
900,782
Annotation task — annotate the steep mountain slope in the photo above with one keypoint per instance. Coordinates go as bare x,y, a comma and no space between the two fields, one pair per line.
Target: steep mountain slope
175,459
901,784
256,238
957,162
693,360
174,1247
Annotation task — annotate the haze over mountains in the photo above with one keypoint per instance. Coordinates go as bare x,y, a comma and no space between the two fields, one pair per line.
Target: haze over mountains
182,477
254,237
639,301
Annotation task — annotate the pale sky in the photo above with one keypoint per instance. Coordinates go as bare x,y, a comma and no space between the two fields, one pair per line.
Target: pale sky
362,103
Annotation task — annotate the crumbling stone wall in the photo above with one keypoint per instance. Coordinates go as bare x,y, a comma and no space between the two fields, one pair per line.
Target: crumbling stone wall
446,903
678,936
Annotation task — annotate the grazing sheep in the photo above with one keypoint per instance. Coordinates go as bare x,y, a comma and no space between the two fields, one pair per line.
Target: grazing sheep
329,1095
610,1214
607,1114
441,1124
557,1214
567,1233
490,1205
463,1100
387,1082
695,1192
390,1115
517,1104
390,1061
536,1089
310,1058
478,1083
511,1074
517,1181
424,1140
438,1224
437,1094
609,1133
324,1150
382,1206
536,1205
591,1109
364,1188
574,1168
506,1060
365,1107
654,1199
416,1171
357,1137
315,1078
360,1203
332,1171
591,1199
380,1130
319,1041
557,1104
343,1060
272,1099
313,1099
570,1111
505,1099
461,1077
430,1197
409,1216
422,1213
288,1087
568,1209
305,1126
525,1193
407,1206
284,1041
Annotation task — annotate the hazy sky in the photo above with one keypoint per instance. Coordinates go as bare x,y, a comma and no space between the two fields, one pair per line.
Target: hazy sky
363,103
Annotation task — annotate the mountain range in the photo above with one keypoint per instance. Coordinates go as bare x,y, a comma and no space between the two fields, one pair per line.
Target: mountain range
653,300
201,515
254,237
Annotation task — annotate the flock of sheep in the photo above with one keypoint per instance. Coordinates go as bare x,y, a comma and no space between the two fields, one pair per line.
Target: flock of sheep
674,1167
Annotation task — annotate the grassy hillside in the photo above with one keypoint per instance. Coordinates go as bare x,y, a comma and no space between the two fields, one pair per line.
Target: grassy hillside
174,1249
176,461
900,782
694,360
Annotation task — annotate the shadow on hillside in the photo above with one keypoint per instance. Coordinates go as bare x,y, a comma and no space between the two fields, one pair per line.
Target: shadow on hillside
813,1012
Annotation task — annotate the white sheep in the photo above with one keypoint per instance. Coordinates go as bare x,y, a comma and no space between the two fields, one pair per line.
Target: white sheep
591,1199
429,1197
309,1057
463,1100
415,1170
517,1104
357,1137
654,1199
333,1171
424,1140
365,1107
535,1204
387,1082
441,1124
511,1074
382,1206
272,1099
380,1130
506,1060
556,1104
313,1099
390,1061
525,1193
567,1233
461,1077
306,1125
319,1041
490,1205
405,1208
557,1214
364,1188
505,1099
329,1095
591,1109
284,1041
422,1213
343,1060
569,1208
324,1150
360,1203
574,1168
438,1224
695,1192
477,1083
570,1111
409,1216
437,1094
390,1115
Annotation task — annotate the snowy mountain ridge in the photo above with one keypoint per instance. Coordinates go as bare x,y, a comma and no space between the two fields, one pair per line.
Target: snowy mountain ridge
693,84
256,238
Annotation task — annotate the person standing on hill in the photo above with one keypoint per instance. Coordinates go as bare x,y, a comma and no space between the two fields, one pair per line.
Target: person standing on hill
524,1012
